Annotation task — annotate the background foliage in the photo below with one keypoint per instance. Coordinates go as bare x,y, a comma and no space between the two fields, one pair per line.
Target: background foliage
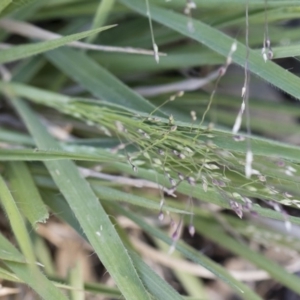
120,174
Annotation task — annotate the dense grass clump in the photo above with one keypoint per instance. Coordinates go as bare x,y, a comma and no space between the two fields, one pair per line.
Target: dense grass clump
152,159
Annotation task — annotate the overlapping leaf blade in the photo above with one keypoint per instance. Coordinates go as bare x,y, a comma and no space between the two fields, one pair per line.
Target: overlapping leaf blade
19,52
90,214
221,43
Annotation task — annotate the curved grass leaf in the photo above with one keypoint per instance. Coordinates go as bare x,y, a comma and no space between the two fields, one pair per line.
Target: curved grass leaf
90,214
59,100
97,80
23,51
223,138
221,43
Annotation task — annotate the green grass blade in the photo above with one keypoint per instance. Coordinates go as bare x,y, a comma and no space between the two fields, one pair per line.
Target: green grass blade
215,233
94,288
10,253
13,137
76,281
260,147
287,51
9,276
102,13
43,254
159,288
58,100
221,43
37,280
128,64
222,138
90,214
16,221
192,284
152,281
97,80
110,194
194,255
44,155
23,51
3,4
231,3
26,194
26,70
14,5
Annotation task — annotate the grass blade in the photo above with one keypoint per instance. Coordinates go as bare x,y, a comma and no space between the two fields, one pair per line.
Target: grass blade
97,80
13,5
26,193
31,274
215,3
159,288
152,281
215,233
221,43
223,138
76,281
16,221
102,13
37,281
194,255
44,155
90,214
4,4
19,52
110,194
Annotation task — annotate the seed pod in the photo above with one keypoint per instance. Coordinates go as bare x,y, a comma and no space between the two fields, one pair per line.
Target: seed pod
191,180
192,230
